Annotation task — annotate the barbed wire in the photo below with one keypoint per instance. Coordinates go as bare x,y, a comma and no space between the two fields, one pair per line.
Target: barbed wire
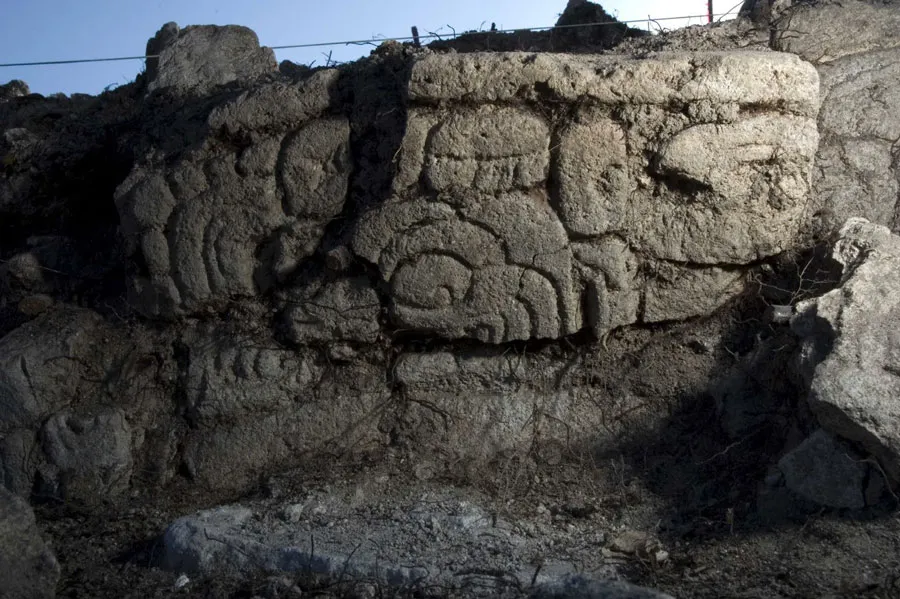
377,40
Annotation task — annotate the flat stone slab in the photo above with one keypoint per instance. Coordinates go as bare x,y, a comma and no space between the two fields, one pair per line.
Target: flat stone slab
435,539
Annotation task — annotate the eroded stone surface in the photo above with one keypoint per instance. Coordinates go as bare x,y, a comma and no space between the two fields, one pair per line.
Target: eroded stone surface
30,570
851,353
809,29
429,537
504,222
826,471
762,79
61,431
857,171
86,455
463,409
343,310
493,268
224,223
195,60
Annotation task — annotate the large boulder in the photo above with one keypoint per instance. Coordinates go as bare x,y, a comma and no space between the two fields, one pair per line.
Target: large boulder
239,213
851,345
505,223
256,407
195,60
434,542
30,570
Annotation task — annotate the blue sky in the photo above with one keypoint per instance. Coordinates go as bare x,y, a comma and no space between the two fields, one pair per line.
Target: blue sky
35,30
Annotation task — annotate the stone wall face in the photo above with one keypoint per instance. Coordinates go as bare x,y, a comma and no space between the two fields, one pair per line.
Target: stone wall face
306,281
535,195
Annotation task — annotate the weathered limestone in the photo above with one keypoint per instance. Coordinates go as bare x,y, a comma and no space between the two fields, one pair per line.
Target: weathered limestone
343,310
466,409
855,47
195,60
819,32
423,542
743,78
256,408
87,455
82,409
851,354
826,471
30,570
223,223
857,171
504,220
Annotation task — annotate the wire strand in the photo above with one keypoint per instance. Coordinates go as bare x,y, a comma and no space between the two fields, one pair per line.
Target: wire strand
369,41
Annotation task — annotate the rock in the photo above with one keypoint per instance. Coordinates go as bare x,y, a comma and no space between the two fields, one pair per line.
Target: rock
421,542
762,11
23,273
41,372
851,344
508,276
475,407
42,362
212,541
165,37
722,78
491,259
569,37
857,171
60,375
182,581
201,243
750,393
294,70
195,60
338,259
48,267
678,293
640,545
823,27
823,470
33,305
30,570
857,52
631,542
610,275
13,89
581,587
346,309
